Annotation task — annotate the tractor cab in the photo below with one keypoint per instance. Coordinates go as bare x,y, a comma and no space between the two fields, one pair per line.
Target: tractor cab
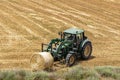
74,34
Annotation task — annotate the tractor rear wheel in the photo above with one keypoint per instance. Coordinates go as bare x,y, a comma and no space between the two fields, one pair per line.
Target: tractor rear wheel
86,51
70,59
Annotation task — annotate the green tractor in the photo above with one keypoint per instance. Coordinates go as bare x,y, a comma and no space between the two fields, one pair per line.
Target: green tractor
73,44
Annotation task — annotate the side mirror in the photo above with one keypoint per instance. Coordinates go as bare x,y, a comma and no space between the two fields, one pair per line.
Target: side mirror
61,34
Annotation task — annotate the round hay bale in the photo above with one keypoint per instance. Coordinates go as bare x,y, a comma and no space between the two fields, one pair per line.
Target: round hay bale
42,60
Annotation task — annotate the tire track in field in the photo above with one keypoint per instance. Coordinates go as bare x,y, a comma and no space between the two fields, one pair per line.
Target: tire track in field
41,10
43,28
115,9
73,20
113,14
95,32
113,31
97,24
13,56
93,11
85,8
13,63
24,26
109,28
47,12
47,16
18,24
106,5
2,31
22,36
19,18
9,30
112,24
12,35
52,9
72,15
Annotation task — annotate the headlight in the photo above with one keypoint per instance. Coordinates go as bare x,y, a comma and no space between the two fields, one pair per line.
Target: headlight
63,46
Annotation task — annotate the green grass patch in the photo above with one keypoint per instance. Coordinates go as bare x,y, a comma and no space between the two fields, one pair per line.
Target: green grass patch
112,72
72,73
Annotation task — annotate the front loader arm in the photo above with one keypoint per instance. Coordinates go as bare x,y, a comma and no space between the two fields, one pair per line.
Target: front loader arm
53,41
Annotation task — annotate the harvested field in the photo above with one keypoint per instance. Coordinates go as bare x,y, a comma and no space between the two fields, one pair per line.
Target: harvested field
25,24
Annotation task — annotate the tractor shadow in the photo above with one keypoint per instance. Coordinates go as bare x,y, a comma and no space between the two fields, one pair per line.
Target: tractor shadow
80,60
60,65
92,57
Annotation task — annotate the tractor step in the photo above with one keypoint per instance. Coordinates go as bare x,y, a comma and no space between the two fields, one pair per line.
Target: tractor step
75,49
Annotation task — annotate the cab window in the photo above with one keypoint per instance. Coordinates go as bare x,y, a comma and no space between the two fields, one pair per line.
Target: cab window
79,36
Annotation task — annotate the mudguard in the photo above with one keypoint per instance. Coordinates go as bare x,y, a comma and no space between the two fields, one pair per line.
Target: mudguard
83,43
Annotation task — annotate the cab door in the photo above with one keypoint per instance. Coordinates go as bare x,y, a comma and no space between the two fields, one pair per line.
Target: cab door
79,38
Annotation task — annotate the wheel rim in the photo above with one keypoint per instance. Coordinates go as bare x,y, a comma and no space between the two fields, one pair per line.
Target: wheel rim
71,60
87,51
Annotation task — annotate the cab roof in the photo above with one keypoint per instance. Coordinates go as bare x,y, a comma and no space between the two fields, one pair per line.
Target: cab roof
74,31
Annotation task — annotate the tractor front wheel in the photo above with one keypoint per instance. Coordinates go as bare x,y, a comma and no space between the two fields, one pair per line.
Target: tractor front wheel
70,59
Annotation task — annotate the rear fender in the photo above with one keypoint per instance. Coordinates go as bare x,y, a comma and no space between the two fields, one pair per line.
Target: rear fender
83,43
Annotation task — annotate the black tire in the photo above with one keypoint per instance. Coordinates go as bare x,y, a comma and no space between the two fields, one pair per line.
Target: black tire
70,59
86,54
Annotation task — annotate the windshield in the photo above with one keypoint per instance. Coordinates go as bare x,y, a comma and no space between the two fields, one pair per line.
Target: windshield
69,36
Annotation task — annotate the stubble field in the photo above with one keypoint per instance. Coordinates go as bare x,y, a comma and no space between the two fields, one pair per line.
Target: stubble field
25,24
